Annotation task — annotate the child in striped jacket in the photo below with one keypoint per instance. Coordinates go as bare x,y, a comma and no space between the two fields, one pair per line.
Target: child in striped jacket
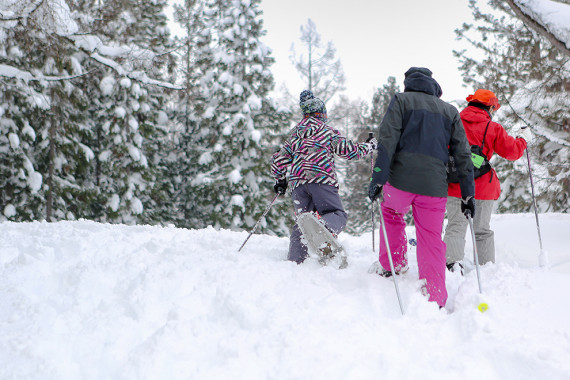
308,155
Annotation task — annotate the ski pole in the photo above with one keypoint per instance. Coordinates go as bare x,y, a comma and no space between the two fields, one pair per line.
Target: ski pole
542,257
370,136
256,224
373,228
383,225
475,253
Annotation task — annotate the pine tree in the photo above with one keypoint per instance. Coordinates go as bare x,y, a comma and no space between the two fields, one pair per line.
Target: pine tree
74,68
20,182
128,119
381,100
232,186
41,121
153,114
531,79
196,57
320,69
350,119
364,122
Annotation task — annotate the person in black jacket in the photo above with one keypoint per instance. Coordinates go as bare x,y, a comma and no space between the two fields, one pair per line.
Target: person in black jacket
418,133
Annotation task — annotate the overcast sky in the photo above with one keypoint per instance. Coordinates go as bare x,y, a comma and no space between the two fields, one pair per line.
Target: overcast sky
374,40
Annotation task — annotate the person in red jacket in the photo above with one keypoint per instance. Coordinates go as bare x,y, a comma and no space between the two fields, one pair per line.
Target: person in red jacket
476,118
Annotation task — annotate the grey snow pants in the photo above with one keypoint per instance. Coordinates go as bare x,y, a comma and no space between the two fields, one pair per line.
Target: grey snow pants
315,197
457,226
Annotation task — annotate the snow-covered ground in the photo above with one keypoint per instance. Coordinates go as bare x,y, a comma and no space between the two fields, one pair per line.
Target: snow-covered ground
82,300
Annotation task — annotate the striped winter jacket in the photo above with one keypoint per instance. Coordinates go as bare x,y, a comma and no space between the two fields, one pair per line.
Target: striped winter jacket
309,153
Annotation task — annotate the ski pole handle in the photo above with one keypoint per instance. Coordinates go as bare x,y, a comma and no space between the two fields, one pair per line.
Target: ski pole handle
370,137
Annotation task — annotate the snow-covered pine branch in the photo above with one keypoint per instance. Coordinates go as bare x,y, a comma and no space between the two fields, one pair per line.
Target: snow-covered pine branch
94,47
56,17
547,18
13,72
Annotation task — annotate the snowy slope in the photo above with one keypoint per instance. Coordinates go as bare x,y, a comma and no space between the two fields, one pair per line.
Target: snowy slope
81,300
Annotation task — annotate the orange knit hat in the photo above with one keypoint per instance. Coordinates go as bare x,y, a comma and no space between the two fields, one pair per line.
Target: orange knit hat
485,97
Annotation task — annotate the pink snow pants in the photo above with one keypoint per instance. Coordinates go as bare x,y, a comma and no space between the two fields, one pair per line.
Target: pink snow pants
428,213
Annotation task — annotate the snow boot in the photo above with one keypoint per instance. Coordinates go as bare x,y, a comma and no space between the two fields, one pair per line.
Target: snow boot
376,267
455,267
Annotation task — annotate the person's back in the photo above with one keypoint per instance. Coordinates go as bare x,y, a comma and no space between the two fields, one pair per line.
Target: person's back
483,132
308,155
309,151
476,118
416,132
416,137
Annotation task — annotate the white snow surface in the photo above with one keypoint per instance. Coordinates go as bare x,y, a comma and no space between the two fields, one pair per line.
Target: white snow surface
84,300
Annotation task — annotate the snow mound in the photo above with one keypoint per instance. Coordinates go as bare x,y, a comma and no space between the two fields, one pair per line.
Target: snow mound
83,300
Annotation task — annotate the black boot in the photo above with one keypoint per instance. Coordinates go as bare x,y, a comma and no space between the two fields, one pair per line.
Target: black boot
455,267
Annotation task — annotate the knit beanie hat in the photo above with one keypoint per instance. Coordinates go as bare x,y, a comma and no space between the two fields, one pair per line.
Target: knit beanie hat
422,70
420,79
312,106
485,97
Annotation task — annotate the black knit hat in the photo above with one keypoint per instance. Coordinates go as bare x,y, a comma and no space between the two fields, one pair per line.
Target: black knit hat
419,79
422,70
311,105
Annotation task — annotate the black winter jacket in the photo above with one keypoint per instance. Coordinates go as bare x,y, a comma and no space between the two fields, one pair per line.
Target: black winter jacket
416,136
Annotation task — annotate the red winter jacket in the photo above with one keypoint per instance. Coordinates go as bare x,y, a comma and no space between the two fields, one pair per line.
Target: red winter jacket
496,141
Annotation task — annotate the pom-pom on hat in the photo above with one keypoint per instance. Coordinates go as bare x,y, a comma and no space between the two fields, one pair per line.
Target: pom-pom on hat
311,105
484,97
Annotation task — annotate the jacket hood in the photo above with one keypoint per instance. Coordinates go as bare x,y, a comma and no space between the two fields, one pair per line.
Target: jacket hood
420,82
475,114
306,130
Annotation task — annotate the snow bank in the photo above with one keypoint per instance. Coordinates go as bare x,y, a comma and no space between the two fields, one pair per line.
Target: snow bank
82,300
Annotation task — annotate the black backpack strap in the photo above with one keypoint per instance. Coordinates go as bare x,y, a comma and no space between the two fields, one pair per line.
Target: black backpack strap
484,136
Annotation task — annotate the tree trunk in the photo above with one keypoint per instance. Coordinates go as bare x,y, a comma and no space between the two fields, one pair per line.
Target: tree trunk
49,196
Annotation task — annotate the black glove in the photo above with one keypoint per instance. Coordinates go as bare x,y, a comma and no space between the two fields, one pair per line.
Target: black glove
280,186
374,191
468,206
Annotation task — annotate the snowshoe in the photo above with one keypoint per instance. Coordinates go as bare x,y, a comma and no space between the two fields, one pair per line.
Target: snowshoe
377,268
321,241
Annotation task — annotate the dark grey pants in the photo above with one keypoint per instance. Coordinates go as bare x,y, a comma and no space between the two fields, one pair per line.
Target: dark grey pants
315,197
